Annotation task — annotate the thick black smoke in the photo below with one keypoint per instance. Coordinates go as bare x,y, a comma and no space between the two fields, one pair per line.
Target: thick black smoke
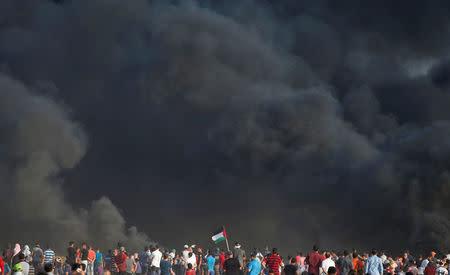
290,122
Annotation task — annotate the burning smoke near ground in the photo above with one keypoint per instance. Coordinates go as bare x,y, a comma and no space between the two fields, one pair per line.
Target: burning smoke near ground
297,122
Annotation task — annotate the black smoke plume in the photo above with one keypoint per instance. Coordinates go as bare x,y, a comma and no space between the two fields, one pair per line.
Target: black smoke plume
290,122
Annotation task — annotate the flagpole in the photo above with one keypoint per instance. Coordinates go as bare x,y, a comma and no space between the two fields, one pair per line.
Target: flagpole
226,238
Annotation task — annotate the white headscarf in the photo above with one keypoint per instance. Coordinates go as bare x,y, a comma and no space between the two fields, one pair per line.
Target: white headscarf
26,251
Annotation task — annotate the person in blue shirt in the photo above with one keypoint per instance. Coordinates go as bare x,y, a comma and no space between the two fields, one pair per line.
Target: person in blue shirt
254,267
98,264
165,265
374,265
210,260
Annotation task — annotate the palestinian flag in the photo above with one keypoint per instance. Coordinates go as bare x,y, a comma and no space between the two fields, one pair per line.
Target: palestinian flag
220,235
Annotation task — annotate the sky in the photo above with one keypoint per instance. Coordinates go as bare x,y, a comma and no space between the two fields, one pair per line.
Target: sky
291,123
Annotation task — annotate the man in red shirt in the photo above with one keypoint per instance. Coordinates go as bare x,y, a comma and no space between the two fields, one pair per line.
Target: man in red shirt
274,262
120,260
222,260
91,259
2,266
314,261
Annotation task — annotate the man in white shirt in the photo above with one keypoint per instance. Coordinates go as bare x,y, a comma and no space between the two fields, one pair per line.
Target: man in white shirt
25,265
423,265
192,260
326,264
156,260
442,269
186,252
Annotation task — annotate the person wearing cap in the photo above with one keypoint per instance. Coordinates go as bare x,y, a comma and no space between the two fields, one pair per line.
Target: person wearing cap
172,254
17,269
185,252
239,253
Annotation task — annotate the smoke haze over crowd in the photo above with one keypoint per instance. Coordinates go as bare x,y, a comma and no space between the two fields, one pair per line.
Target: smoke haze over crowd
290,122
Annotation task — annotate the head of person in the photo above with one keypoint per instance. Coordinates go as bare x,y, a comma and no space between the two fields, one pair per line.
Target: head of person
229,254
332,270
293,261
21,257
84,246
275,251
157,247
327,255
253,256
189,266
71,244
122,249
186,247
77,269
38,245
115,252
374,252
315,248
190,254
48,267
345,253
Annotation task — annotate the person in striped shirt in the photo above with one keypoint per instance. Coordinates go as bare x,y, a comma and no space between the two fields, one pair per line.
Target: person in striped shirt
49,256
274,262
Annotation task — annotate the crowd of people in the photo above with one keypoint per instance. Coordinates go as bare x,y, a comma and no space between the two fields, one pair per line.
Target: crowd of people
192,260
